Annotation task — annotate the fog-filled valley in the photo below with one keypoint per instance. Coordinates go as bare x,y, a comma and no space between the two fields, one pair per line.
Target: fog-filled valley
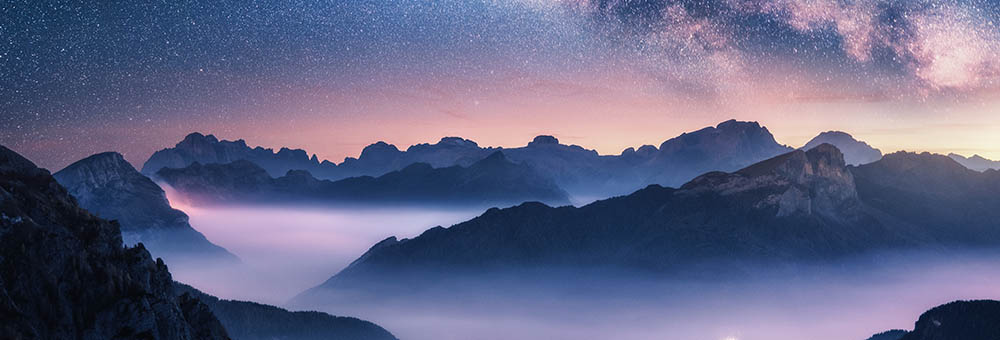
287,250
842,301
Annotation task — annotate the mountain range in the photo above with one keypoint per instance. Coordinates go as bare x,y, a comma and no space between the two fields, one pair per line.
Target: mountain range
109,187
799,206
581,172
490,181
976,162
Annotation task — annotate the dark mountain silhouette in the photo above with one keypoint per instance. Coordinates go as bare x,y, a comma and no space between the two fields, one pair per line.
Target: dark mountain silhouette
109,187
253,321
965,320
65,274
894,334
728,146
855,152
948,201
802,206
207,149
489,181
976,162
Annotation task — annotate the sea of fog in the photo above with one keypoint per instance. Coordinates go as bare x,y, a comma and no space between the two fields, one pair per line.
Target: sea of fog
286,250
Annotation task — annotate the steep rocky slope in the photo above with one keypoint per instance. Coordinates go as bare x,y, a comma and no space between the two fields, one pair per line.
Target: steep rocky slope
109,187
64,273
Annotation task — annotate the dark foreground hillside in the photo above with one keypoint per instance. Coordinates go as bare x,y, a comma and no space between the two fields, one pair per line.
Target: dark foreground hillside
253,321
65,274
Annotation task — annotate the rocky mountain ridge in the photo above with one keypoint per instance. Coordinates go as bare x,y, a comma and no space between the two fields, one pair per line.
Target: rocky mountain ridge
108,186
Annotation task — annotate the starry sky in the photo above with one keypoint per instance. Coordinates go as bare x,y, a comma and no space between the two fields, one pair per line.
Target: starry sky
80,77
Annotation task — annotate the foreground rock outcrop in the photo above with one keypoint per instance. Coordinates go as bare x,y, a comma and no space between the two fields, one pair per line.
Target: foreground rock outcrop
65,274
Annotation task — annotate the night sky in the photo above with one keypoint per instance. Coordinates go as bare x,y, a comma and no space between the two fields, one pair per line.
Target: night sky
79,77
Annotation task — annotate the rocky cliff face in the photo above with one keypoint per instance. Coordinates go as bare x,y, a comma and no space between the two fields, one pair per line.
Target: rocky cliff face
799,182
109,187
64,273
855,152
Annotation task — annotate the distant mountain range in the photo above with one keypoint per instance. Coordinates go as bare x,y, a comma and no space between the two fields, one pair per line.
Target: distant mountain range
729,146
965,320
109,187
976,162
66,274
855,152
799,206
491,181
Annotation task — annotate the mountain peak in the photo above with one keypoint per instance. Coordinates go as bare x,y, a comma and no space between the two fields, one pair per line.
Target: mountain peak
457,141
380,151
197,137
543,140
733,124
98,170
855,152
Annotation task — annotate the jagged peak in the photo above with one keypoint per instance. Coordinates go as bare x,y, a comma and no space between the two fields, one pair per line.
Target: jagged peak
101,167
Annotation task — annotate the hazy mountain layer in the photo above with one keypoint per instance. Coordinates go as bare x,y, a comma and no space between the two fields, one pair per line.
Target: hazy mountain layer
727,147
800,207
65,274
108,186
491,181
976,162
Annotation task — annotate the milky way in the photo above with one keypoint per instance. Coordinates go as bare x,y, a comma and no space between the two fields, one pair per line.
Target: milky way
78,77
